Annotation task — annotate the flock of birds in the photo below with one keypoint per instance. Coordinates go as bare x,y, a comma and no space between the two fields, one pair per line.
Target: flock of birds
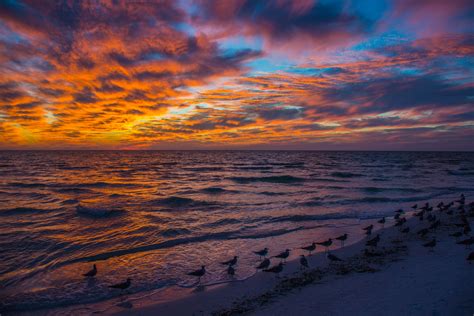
425,212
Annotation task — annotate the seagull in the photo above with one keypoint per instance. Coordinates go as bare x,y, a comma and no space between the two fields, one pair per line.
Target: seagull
326,244
275,269
264,264
262,253
230,262
230,270
92,272
283,255
199,273
333,257
304,262
430,244
310,248
374,241
423,232
123,285
382,221
466,242
342,238
470,258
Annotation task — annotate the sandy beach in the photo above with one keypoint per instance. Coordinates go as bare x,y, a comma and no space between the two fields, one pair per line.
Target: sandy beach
399,277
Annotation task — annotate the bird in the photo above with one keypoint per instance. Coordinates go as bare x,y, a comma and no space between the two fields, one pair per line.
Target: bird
423,232
326,243
310,248
275,269
230,262
123,285
283,255
466,242
470,257
342,238
374,241
456,234
92,272
431,244
304,262
400,221
333,258
262,253
264,264
405,230
368,227
230,270
397,216
198,273
382,221
415,206
400,211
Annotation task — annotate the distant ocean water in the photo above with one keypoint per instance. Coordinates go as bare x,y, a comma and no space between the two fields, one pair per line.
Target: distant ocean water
155,215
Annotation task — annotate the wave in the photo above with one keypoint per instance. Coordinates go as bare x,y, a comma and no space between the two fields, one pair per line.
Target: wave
378,189
173,232
254,167
22,210
460,172
271,179
98,211
226,235
339,174
214,190
179,202
72,186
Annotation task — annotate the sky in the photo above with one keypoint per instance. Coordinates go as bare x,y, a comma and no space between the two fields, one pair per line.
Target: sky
237,74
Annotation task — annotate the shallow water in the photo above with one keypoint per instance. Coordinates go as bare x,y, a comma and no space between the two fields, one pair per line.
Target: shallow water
153,216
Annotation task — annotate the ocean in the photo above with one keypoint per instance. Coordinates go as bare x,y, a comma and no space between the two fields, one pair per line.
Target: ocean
153,216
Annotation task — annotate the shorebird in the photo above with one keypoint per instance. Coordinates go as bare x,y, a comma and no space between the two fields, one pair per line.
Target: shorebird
333,258
415,206
466,242
310,248
326,244
405,230
401,221
430,244
92,272
262,253
230,262
230,270
435,224
283,255
304,262
264,264
400,211
382,221
397,216
123,285
470,258
199,273
342,238
368,229
423,232
275,269
373,242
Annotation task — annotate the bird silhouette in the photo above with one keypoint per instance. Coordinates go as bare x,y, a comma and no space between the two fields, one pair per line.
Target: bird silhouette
123,285
230,270
304,262
262,253
431,244
470,257
198,273
310,248
326,243
275,269
91,272
264,264
333,258
283,255
342,238
230,262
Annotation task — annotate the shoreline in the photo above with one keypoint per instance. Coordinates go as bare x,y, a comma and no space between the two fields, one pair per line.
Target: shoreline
261,292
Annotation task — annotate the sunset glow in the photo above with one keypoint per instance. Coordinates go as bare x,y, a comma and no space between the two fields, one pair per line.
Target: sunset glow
237,74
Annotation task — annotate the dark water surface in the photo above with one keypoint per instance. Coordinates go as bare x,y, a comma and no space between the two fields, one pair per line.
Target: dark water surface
155,215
